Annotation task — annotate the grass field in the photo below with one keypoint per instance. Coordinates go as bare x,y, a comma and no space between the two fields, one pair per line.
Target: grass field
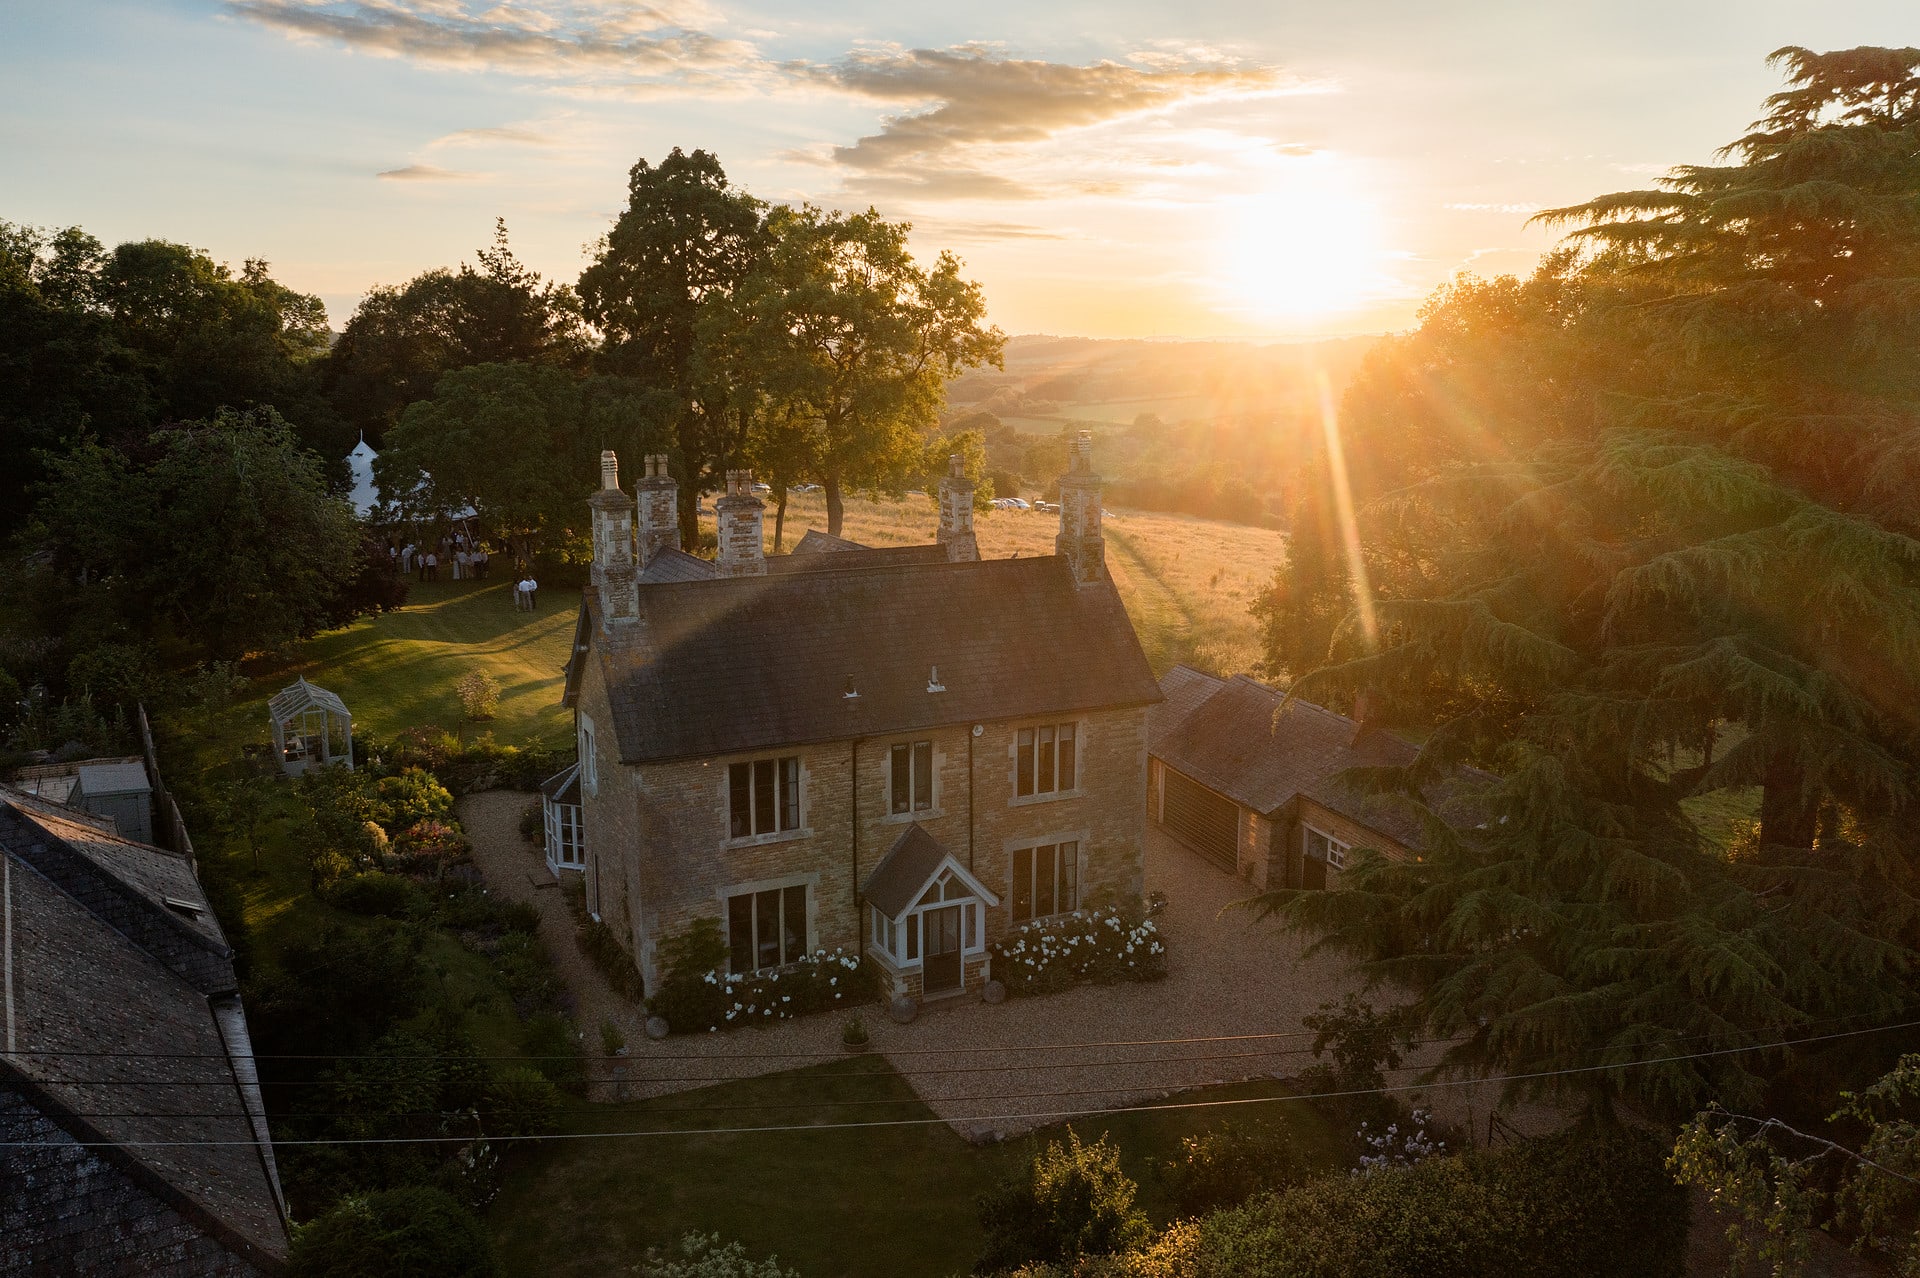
1187,582
829,1201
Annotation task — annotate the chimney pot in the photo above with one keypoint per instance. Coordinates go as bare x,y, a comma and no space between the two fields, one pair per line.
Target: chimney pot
743,553
1079,541
609,469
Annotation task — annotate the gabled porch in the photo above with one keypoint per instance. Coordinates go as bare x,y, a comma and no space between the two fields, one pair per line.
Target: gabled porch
927,918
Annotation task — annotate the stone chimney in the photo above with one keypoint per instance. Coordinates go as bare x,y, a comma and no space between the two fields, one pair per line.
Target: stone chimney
742,552
956,513
659,509
1079,542
614,577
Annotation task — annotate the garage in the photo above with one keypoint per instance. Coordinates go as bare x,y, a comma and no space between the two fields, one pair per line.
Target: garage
1207,822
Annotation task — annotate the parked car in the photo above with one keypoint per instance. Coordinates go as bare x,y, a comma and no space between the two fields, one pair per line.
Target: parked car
763,488
1020,503
806,488
1047,507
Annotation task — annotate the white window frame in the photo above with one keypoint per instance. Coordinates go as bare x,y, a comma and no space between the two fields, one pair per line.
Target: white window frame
789,820
589,759
1057,848
1058,730
1336,857
914,810
901,941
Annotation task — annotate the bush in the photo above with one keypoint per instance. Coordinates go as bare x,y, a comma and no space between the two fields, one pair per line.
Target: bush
705,1256
416,1231
521,1101
1101,946
1072,1201
409,797
599,943
1571,1206
695,994
553,1046
479,694
429,847
533,824
378,894
480,916
1226,1166
470,767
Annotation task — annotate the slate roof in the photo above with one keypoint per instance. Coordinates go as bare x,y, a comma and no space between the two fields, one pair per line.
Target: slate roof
841,558
563,786
97,779
897,880
1233,736
816,542
125,1027
674,564
740,664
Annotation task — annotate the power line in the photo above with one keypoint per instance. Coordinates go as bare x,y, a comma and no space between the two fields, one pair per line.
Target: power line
877,1124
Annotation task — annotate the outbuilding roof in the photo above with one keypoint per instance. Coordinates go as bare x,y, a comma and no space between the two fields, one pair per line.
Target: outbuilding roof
118,777
126,1030
1246,741
301,695
740,664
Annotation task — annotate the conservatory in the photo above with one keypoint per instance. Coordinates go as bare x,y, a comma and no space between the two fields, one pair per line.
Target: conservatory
311,728
560,805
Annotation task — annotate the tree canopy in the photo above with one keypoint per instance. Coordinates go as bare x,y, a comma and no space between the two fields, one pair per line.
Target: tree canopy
1640,533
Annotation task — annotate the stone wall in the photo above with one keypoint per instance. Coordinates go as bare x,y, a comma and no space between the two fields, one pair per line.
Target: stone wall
1289,850
64,1209
657,835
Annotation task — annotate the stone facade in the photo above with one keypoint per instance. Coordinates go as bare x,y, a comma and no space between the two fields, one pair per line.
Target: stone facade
659,855
743,551
956,513
1079,540
65,1209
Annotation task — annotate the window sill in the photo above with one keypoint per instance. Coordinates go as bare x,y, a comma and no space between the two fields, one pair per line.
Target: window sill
1029,800
1044,919
778,836
907,818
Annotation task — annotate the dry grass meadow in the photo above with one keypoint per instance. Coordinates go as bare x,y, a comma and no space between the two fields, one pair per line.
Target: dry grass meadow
1187,582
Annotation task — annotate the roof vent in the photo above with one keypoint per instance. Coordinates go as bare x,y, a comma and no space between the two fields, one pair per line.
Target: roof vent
851,691
188,908
933,681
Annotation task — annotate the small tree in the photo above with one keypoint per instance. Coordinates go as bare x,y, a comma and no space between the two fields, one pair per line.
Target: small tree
1072,1201
705,1256
415,1230
479,695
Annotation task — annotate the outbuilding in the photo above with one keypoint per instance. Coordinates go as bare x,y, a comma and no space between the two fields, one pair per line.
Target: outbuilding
117,789
311,727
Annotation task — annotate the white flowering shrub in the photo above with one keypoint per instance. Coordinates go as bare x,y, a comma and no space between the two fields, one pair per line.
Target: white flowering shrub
1101,946
1398,1145
706,1256
696,994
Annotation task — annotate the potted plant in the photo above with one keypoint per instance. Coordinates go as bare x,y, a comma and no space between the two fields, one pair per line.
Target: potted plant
853,1036
612,1039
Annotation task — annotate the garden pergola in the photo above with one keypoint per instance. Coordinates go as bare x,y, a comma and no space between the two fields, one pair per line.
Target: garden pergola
310,726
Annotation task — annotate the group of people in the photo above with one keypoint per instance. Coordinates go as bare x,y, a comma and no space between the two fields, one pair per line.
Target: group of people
469,561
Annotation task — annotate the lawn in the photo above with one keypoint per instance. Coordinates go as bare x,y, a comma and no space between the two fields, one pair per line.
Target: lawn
828,1201
398,670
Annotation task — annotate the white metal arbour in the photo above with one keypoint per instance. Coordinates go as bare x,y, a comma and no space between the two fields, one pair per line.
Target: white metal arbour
311,726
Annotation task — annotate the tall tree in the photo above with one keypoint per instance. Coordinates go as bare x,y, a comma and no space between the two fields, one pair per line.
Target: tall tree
1659,494
401,341
854,342
685,241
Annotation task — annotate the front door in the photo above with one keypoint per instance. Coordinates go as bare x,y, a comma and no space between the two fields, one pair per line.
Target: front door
941,971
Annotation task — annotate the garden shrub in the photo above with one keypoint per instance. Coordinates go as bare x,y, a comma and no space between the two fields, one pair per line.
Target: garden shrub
1570,1206
601,945
468,767
429,847
479,694
524,966
408,797
478,915
533,824
697,994
416,1231
520,1101
1101,945
706,1256
1071,1201
552,1046
376,893
1228,1165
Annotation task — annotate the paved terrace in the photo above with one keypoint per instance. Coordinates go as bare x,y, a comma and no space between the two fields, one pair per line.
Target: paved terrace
996,1071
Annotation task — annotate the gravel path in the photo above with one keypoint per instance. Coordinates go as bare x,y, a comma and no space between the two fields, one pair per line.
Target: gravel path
995,1071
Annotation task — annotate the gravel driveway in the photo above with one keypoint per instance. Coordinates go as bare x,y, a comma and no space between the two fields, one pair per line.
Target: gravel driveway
994,1071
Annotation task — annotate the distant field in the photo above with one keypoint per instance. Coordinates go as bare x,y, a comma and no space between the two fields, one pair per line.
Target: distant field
1187,582
1123,411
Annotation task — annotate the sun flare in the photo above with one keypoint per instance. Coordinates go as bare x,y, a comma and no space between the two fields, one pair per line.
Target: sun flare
1310,246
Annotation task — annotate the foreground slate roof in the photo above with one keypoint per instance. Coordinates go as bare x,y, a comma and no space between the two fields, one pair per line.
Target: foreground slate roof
734,665
125,1029
1245,740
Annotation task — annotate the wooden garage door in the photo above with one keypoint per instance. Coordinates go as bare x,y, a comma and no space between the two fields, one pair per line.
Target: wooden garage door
1201,819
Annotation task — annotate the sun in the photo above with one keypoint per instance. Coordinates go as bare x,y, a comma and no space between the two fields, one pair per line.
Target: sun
1308,246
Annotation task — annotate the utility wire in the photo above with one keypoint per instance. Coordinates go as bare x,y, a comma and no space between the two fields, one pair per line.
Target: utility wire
876,1124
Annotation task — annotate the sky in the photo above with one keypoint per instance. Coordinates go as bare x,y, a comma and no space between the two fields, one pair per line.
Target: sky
1106,168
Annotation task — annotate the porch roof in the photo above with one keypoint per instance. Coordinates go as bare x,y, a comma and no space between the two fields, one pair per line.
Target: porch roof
913,861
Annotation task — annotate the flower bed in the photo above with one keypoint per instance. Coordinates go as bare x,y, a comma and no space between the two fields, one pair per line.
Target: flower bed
1101,946
696,995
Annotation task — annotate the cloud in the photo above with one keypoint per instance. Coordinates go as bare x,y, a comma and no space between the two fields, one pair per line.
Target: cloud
990,231
483,137
565,39
424,173
972,100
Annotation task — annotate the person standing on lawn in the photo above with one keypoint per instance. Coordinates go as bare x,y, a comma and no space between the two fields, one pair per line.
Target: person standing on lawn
530,590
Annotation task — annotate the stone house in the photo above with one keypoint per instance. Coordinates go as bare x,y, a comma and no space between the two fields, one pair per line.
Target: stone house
133,1139
1252,782
901,751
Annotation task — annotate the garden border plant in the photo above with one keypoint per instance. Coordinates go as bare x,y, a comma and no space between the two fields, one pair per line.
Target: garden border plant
697,993
1103,945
